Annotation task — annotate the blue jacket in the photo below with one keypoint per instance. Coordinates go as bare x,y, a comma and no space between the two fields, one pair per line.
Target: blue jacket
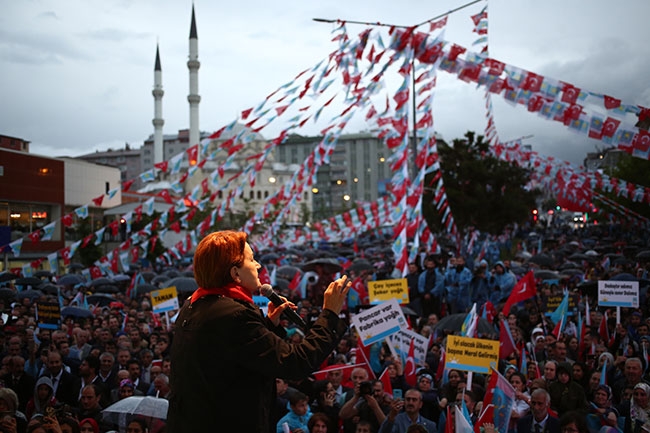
294,421
502,282
457,284
438,288
402,423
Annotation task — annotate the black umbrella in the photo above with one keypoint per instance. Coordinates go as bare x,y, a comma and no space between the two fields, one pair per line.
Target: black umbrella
572,272
569,265
408,311
102,281
454,323
29,293
287,272
361,265
543,274
70,280
101,299
643,255
76,267
119,278
75,312
542,259
172,273
6,293
268,258
622,262
148,276
159,279
328,265
281,284
624,277
7,276
41,274
182,284
578,256
50,289
28,281
187,274
145,288
107,288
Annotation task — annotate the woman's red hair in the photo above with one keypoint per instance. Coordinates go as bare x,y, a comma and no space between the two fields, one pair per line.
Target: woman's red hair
215,256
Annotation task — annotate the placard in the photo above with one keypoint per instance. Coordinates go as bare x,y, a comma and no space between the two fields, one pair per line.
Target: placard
401,342
48,315
378,322
383,290
471,354
618,294
164,300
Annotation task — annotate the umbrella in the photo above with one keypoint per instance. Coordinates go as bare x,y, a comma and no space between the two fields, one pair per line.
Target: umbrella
145,288
120,278
75,267
70,280
624,277
408,311
148,276
287,272
101,299
187,274
268,258
28,281
7,276
102,281
172,273
569,265
107,288
282,284
361,265
41,274
6,293
578,256
454,323
591,253
541,259
622,261
643,255
159,279
50,289
546,275
182,284
329,265
29,293
572,272
75,312
136,405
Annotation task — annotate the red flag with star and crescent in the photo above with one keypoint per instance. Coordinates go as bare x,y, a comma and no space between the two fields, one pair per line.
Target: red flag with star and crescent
409,368
524,289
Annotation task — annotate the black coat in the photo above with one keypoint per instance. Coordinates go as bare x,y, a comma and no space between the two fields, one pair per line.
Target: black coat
225,358
24,388
525,425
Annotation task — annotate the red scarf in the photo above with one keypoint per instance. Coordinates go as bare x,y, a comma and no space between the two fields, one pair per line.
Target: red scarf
232,290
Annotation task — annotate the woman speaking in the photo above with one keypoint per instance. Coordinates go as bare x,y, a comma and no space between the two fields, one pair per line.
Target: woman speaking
226,354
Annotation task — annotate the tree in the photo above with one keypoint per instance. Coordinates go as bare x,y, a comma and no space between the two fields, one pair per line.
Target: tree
483,191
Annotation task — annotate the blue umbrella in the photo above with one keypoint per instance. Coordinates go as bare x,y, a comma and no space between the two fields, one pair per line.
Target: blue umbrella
70,280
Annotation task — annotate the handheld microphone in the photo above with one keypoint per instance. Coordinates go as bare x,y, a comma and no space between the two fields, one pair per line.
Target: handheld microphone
267,291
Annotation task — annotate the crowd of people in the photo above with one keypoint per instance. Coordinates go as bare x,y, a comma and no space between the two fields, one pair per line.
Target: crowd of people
60,380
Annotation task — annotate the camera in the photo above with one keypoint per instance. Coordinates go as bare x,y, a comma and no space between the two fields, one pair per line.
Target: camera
365,388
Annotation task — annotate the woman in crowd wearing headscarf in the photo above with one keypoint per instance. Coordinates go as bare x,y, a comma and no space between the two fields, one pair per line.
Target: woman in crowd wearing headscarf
43,398
637,411
602,413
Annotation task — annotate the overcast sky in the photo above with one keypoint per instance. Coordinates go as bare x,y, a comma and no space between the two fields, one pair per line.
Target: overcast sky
76,75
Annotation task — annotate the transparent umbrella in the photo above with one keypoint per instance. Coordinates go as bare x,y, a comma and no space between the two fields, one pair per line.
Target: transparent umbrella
149,407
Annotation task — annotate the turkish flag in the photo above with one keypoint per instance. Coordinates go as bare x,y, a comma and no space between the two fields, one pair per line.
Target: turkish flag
611,102
506,343
193,154
98,200
570,93
487,416
295,281
409,369
610,126
385,379
162,166
95,272
532,82
603,330
126,185
67,220
524,289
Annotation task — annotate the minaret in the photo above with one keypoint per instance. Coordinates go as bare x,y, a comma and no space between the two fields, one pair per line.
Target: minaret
158,120
193,98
